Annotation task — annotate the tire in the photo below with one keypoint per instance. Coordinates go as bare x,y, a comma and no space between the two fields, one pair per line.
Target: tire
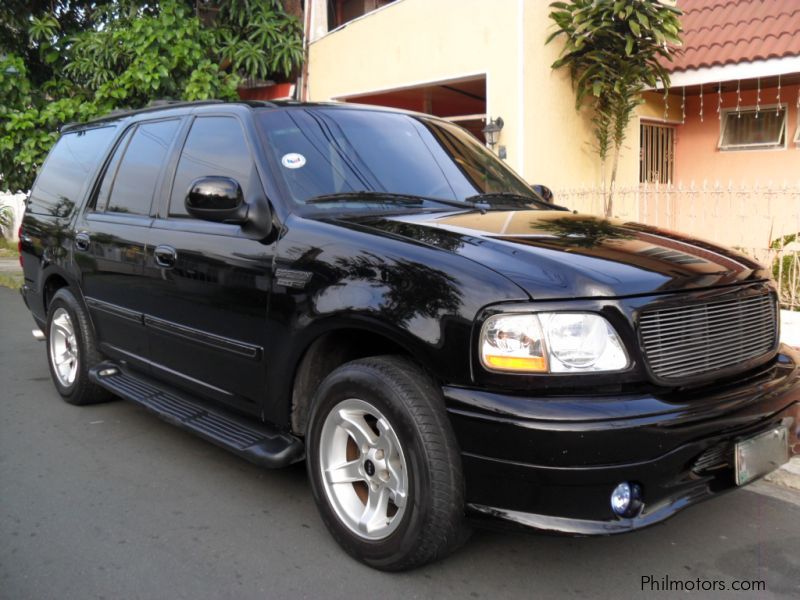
398,501
72,350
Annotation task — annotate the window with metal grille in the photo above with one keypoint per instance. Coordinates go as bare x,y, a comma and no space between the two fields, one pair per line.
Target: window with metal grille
751,129
657,153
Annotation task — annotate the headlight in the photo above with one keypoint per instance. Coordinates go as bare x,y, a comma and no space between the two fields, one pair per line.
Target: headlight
551,342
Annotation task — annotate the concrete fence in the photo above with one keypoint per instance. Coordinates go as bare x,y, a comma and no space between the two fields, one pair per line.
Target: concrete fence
762,221
17,204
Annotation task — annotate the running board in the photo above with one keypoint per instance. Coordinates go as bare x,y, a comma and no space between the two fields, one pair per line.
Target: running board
256,442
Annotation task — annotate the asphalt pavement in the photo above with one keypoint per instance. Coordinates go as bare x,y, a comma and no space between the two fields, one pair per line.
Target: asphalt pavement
110,502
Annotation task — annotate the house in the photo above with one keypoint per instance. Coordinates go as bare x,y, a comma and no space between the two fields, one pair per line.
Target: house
729,139
722,145
737,79
469,61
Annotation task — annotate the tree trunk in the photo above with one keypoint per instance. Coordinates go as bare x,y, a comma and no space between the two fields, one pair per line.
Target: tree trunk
605,189
610,203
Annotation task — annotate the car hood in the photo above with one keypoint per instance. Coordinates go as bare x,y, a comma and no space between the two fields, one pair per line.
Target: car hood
557,254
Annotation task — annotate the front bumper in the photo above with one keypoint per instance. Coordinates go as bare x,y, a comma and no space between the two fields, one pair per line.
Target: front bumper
551,463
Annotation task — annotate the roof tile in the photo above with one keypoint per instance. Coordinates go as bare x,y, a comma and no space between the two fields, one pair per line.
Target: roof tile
721,32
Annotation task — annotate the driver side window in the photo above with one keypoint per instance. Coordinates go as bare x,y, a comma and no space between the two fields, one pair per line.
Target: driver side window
214,146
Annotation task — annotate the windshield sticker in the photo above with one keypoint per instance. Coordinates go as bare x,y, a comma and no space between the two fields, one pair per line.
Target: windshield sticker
293,160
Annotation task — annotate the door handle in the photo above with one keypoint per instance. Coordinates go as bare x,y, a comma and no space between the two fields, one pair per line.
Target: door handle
165,256
82,241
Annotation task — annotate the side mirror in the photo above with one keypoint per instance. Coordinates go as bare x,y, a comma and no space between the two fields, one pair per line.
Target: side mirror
217,199
545,192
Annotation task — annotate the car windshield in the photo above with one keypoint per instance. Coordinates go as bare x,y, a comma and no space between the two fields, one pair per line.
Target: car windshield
321,153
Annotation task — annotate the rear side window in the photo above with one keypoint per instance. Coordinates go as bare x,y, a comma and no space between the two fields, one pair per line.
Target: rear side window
214,146
64,177
133,185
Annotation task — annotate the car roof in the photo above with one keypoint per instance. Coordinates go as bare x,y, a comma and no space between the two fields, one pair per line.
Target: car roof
174,107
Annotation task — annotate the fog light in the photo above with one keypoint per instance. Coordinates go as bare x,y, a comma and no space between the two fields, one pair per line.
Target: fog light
626,499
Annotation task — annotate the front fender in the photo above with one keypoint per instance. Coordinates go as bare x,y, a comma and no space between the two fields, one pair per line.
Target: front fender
420,298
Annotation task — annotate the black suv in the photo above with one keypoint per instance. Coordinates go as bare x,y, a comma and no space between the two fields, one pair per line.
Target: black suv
375,292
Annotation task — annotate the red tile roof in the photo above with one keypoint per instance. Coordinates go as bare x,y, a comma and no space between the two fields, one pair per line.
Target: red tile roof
721,32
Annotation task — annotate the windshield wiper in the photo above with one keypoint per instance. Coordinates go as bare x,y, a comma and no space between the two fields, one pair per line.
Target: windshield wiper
364,196
389,198
511,197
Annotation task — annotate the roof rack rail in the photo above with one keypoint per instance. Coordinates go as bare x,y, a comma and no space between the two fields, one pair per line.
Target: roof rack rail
172,101
152,106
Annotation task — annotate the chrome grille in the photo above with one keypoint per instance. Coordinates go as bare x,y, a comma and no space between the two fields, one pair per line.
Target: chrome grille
689,341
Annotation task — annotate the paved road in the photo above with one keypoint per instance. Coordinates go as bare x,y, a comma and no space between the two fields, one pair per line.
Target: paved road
110,502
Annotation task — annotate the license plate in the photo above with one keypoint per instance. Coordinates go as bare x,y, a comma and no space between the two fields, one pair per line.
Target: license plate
761,454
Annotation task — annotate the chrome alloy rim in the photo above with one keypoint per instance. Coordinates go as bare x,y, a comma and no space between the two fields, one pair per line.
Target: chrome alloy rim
63,347
363,469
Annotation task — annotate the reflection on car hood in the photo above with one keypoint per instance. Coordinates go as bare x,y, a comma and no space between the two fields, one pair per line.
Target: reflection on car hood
553,254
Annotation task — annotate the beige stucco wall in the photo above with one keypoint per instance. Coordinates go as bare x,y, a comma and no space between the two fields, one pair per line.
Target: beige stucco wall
413,42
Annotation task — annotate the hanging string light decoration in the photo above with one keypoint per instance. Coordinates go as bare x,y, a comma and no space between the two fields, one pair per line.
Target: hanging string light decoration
666,103
738,98
719,101
758,96
797,106
701,102
683,104
778,109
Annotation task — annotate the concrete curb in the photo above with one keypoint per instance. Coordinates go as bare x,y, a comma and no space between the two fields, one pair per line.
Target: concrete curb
788,476
10,265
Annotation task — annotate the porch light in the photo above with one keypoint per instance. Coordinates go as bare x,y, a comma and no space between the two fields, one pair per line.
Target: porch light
492,131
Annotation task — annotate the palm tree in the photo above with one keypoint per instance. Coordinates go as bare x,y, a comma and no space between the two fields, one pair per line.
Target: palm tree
614,51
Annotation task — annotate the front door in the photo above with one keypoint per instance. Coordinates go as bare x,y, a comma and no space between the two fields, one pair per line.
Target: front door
209,282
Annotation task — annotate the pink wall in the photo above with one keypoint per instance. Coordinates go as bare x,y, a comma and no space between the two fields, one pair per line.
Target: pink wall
697,157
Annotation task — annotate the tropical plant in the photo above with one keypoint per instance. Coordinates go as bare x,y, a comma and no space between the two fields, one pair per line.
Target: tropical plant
614,50
259,39
134,59
71,60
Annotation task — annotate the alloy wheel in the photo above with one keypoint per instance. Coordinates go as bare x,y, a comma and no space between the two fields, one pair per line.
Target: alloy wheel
363,468
63,347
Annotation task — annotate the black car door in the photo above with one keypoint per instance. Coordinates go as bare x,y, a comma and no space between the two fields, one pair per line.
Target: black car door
210,283
111,234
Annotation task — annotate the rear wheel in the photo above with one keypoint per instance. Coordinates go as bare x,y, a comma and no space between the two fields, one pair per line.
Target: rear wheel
384,465
71,350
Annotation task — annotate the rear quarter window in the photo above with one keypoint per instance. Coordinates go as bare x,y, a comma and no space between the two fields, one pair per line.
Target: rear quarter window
64,177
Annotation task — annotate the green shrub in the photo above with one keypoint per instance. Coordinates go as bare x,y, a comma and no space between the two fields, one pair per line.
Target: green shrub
75,60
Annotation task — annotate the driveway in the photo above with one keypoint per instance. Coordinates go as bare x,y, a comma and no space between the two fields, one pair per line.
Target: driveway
109,502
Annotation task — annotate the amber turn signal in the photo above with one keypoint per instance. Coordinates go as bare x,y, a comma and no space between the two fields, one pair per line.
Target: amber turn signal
516,363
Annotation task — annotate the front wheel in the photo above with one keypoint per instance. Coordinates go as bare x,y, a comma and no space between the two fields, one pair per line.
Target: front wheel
384,465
